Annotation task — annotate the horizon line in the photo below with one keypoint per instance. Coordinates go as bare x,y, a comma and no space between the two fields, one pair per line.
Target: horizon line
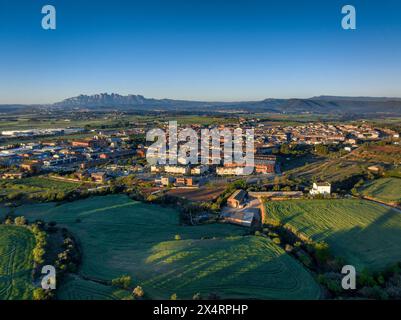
206,100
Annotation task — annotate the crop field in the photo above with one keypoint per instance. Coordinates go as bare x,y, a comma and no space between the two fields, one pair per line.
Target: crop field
119,236
201,194
76,288
365,233
389,154
16,263
385,189
36,185
45,182
331,170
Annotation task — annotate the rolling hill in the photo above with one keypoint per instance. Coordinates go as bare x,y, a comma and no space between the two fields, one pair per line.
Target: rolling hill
316,105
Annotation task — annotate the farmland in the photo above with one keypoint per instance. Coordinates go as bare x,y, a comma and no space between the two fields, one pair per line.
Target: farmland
201,194
16,262
120,236
366,234
389,154
45,182
35,187
331,170
385,189
76,288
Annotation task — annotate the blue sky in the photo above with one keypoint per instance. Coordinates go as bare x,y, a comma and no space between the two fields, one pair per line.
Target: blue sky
199,49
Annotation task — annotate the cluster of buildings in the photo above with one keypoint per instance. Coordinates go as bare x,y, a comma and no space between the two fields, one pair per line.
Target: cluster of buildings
39,132
81,155
320,133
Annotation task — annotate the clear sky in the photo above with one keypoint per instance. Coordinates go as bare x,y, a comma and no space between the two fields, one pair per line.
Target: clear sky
199,49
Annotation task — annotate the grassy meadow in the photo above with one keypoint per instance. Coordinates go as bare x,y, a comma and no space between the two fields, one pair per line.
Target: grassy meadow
365,233
119,236
16,262
384,189
36,186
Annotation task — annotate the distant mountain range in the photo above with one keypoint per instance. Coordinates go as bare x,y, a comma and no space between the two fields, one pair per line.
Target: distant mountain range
316,105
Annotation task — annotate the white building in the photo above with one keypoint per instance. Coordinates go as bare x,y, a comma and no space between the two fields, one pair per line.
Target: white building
321,188
177,169
231,171
199,170
156,169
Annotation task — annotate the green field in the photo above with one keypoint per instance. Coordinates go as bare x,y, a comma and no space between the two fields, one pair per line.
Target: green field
120,236
48,183
331,170
384,189
76,288
365,233
16,262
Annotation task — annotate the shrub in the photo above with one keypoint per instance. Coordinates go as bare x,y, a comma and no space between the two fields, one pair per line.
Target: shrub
123,281
38,254
197,296
276,240
305,259
39,294
365,278
177,237
298,244
138,292
20,221
174,297
322,251
289,248
332,281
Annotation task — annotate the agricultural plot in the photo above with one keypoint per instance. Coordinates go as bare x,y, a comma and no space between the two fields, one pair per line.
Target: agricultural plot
366,234
36,186
385,189
47,183
201,194
76,288
16,263
388,154
331,170
120,236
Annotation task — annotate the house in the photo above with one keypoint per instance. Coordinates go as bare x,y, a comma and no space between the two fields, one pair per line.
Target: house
264,168
237,199
320,188
156,169
91,143
141,153
232,171
99,176
166,181
375,169
177,169
185,181
31,166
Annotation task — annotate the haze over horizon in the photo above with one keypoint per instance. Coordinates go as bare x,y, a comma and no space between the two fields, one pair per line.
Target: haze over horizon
199,50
